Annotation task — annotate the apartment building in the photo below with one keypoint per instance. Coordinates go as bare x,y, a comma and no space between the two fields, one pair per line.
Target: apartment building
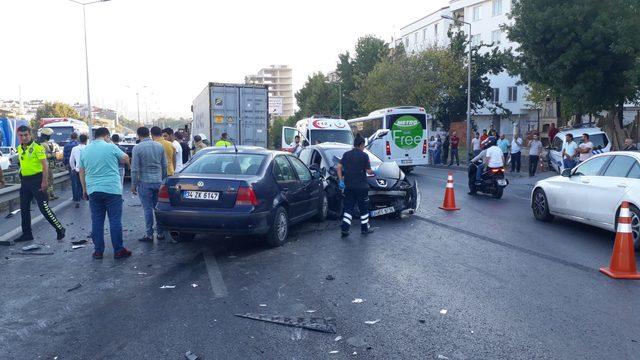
279,79
486,18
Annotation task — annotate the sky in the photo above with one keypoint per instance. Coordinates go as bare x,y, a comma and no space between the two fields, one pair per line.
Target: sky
168,50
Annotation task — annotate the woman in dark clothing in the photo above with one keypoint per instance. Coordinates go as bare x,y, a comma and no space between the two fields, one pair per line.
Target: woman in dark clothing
445,150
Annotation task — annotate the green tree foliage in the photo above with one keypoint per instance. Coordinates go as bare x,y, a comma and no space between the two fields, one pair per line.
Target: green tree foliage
54,110
345,73
317,96
585,52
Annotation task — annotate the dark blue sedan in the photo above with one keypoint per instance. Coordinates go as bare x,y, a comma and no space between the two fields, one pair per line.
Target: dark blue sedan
248,191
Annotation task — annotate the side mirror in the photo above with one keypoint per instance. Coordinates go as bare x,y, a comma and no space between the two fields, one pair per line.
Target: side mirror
566,172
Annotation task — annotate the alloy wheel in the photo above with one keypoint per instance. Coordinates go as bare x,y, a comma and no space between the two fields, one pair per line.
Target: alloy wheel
539,204
635,227
282,227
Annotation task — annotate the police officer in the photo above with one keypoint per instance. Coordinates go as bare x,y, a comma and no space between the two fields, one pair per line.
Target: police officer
352,174
223,142
33,174
48,150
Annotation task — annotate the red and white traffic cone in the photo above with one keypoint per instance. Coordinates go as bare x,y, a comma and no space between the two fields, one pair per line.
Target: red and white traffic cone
623,259
449,202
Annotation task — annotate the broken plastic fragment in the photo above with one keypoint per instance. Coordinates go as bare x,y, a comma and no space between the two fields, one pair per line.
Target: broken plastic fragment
167,287
443,311
354,353
262,305
75,287
79,242
333,352
338,338
311,311
442,357
371,322
357,301
326,325
194,285
191,356
31,247
142,273
330,277
74,247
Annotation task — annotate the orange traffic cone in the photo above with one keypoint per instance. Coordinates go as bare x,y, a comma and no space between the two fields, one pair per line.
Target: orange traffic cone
623,259
449,202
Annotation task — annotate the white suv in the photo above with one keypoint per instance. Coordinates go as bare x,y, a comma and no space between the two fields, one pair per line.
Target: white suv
599,138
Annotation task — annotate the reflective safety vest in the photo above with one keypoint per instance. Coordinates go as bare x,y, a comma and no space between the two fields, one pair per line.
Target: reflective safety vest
223,143
30,159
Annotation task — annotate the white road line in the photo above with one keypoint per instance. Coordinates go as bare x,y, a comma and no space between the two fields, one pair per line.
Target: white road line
215,276
15,233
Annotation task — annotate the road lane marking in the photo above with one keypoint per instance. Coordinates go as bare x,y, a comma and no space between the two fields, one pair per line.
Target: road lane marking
215,276
509,246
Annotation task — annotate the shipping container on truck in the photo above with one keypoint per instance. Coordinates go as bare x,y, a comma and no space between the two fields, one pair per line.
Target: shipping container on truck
240,110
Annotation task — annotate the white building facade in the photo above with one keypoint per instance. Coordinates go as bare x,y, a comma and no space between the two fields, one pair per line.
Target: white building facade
279,79
486,18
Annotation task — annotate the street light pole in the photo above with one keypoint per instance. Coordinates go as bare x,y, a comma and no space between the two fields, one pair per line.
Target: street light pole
468,79
86,58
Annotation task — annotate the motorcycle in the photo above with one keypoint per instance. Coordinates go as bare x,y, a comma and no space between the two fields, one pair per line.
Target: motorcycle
492,180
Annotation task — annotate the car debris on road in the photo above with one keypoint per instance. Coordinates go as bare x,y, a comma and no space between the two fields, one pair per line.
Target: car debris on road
326,325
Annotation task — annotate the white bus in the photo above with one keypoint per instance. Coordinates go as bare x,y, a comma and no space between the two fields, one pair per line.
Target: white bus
406,140
316,130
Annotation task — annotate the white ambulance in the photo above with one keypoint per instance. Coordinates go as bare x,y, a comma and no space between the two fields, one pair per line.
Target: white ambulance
316,130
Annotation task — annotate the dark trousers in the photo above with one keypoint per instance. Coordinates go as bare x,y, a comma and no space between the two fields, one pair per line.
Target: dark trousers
103,204
353,197
30,190
454,154
533,164
76,185
515,161
445,155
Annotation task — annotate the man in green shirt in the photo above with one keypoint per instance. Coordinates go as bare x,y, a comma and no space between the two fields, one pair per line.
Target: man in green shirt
223,142
33,184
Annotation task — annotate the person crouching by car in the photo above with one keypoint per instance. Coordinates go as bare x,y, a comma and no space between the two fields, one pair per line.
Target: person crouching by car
352,174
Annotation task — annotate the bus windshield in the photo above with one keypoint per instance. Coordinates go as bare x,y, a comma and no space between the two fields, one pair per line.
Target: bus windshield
61,134
323,136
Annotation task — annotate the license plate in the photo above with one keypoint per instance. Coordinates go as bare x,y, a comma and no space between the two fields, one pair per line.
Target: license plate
406,161
201,195
383,211
502,182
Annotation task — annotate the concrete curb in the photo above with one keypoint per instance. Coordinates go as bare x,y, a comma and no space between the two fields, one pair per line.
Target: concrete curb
8,238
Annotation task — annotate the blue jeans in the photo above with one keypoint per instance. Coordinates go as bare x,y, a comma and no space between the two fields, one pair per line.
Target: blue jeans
148,193
437,157
102,204
569,164
479,172
76,186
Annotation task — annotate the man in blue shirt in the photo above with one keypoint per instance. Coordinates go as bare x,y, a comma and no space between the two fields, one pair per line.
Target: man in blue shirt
101,185
66,151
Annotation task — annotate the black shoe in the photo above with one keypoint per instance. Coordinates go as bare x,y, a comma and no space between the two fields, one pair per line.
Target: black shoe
24,237
367,232
77,205
160,236
146,239
60,233
344,233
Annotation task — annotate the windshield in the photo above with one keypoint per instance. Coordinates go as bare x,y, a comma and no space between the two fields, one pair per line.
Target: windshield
225,164
598,140
339,136
61,133
336,154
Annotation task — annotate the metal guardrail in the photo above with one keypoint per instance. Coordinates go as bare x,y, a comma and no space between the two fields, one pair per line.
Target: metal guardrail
12,192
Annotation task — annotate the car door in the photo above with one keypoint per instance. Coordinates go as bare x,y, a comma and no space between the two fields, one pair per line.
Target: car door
569,193
288,184
309,194
607,190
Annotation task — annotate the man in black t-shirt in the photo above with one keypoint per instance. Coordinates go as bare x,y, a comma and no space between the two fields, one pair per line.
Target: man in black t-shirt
352,174
186,152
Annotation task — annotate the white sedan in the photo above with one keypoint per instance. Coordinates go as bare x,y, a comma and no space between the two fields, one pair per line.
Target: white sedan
601,184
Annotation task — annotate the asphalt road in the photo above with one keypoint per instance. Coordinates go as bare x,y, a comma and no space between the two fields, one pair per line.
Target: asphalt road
485,282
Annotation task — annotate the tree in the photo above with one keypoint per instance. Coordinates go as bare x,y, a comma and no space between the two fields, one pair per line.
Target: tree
275,131
585,52
317,96
54,110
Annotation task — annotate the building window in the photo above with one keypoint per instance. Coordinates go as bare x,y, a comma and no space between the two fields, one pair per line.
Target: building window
496,37
415,38
476,13
424,34
495,95
435,31
406,42
475,40
513,93
497,7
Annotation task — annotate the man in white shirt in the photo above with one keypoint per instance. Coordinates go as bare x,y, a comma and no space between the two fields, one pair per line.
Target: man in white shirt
516,152
167,134
492,158
475,144
535,148
295,145
569,150
74,165
585,148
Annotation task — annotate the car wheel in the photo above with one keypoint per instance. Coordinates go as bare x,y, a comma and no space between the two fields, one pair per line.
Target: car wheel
279,230
540,206
323,209
635,225
335,212
182,237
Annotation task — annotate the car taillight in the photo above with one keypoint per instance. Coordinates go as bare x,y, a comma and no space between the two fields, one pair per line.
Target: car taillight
246,196
424,147
388,148
163,193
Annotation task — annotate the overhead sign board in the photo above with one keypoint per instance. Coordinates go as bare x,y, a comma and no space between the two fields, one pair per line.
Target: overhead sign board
275,105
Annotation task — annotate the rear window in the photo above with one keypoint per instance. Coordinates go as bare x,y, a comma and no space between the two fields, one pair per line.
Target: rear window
598,140
335,156
225,164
